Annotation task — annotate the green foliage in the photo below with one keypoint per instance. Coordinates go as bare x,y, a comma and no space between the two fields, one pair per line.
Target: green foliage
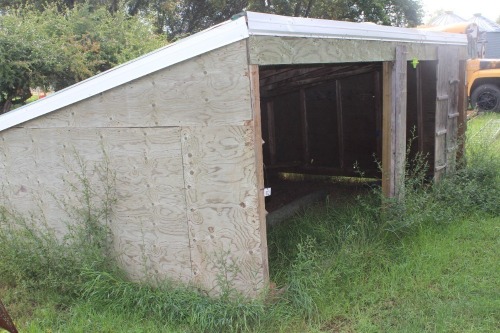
56,48
387,12
37,256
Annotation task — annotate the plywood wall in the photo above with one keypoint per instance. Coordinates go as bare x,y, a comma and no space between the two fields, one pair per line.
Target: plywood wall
267,50
181,142
210,89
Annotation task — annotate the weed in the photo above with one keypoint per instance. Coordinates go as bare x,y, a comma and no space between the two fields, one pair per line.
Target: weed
36,255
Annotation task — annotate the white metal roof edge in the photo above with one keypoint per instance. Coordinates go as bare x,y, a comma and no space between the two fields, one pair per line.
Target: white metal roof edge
275,25
202,42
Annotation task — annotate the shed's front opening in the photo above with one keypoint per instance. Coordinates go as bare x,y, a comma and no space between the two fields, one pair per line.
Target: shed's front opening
320,124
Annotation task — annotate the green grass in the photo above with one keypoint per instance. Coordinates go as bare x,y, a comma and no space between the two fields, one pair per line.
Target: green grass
429,264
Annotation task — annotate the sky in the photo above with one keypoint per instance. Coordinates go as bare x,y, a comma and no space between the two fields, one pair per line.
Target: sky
463,8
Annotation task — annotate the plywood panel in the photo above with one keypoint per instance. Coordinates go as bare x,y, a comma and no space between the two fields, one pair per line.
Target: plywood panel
223,207
209,89
149,221
266,50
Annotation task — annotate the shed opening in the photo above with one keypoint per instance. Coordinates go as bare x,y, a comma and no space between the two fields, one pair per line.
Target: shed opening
322,125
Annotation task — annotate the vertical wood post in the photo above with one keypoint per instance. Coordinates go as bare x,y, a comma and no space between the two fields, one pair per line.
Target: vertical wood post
462,109
378,111
271,132
394,125
447,111
420,111
340,122
304,127
259,167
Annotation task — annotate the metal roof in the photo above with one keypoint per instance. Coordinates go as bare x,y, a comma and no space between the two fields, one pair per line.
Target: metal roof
218,36
275,25
484,24
446,18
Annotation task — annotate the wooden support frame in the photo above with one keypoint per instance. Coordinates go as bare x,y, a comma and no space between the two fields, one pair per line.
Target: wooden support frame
462,109
378,111
420,111
271,131
340,122
259,167
394,124
304,127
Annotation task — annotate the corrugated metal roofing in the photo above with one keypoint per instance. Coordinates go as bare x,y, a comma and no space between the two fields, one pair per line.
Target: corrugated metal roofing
216,37
484,24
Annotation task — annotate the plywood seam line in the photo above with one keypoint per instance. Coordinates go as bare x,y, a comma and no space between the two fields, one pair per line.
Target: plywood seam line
184,162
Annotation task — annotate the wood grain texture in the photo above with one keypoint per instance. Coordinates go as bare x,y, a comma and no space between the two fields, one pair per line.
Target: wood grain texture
259,168
210,89
394,125
149,225
387,130
223,207
447,89
266,50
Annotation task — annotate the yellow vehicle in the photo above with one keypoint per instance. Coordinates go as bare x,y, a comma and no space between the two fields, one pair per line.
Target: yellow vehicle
483,75
483,84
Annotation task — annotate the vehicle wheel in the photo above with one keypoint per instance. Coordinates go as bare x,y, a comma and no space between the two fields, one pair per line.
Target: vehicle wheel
486,97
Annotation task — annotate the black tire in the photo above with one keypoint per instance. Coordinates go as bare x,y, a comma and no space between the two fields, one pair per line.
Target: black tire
486,97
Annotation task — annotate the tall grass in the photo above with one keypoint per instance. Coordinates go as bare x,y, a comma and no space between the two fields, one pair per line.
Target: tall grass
364,265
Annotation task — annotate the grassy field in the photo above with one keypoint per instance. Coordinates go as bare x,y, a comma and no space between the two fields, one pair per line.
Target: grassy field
429,264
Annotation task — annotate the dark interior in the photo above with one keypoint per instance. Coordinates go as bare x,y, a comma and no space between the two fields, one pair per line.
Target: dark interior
327,120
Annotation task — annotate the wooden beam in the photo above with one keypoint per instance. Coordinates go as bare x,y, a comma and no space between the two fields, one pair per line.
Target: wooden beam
420,111
462,109
304,126
340,123
378,111
259,167
271,132
394,125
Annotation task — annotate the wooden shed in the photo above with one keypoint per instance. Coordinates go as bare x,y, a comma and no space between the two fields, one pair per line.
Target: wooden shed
188,129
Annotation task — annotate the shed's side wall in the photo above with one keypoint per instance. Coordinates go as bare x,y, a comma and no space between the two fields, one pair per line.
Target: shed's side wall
210,89
266,50
181,143
40,166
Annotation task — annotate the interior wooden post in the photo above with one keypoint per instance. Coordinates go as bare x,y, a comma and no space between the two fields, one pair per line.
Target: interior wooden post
304,127
420,111
394,125
271,132
340,122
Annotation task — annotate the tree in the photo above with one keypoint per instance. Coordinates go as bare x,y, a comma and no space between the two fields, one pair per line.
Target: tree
54,49
179,18
387,12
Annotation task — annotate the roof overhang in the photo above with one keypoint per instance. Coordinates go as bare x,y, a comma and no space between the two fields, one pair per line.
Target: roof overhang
274,25
186,48
215,37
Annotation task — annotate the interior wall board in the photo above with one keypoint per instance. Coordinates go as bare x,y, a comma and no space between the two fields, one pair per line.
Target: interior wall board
38,168
210,89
